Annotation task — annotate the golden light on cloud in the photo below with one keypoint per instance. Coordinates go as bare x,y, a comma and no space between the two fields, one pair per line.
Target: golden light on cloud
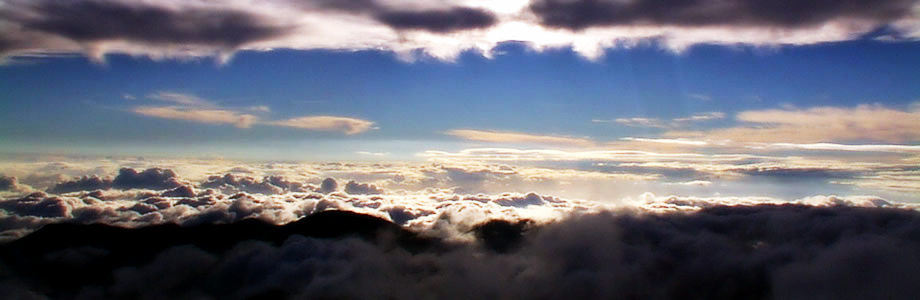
208,116
345,125
507,137
818,125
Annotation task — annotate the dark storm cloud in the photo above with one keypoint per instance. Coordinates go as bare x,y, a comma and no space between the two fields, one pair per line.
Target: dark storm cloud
580,14
438,20
740,252
90,21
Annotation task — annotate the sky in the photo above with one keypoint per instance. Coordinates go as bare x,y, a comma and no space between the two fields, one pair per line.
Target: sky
612,147
753,98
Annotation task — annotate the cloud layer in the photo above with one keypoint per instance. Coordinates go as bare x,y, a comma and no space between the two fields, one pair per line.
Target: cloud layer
717,252
581,14
442,29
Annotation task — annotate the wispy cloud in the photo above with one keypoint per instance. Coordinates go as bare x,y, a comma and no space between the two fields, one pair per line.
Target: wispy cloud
667,141
189,107
182,99
209,116
368,153
664,124
818,125
507,137
701,97
702,117
843,147
327,123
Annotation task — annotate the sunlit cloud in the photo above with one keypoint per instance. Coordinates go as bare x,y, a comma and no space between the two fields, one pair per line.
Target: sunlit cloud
196,109
818,125
208,116
663,124
843,147
684,142
507,137
327,123
182,99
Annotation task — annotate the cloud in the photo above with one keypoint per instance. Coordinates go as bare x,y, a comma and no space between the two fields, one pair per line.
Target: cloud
95,22
684,142
182,99
153,178
355,188
507,137
345,125
701,97
200,110
467,190
208,116
664,124
439,29
715,251
328,185
581,14
440,21
127,178
819,125
372,153
10,183
842,147
85,183
701,117
270,185
636,122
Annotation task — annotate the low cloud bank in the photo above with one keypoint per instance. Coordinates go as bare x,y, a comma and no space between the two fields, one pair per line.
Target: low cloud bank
784,251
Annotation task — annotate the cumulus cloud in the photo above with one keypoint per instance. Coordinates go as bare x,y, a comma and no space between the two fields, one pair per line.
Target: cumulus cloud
507,137
442,29
127,178
353,187
269,185
11,184
265,229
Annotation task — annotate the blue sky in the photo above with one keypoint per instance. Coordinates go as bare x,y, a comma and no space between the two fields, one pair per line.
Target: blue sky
67,102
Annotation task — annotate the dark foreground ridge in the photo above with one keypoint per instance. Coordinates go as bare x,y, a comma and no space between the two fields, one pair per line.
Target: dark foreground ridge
46,257
721,252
